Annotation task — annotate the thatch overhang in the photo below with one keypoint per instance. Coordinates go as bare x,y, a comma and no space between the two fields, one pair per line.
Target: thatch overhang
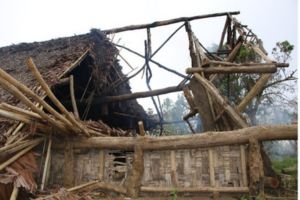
91,59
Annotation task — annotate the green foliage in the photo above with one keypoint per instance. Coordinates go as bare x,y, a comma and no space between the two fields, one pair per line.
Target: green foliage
174,194
173,112
287,162
246,55
282,51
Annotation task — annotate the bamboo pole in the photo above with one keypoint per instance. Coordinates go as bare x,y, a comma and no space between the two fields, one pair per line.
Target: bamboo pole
14,194
167,22
49,93
18,110
18,155
72,93
18,94
17,146
47,163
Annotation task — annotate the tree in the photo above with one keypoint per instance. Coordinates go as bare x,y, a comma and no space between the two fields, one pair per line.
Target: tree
277,91
173,112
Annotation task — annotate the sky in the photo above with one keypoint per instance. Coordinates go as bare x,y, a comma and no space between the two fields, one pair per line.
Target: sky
36,20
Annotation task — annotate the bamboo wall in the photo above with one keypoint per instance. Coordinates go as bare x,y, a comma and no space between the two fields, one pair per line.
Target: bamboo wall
186,168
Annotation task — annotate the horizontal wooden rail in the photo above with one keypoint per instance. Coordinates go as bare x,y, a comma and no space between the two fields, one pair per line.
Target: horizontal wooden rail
233,69
167,22
202,140
198,189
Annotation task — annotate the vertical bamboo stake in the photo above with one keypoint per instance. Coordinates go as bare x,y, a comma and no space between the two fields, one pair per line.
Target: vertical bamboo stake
243,166
47,163
50,94
14,194
211,167
101,164
73,99
141,128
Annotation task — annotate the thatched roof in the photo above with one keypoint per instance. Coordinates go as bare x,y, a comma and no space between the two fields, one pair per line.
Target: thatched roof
92,56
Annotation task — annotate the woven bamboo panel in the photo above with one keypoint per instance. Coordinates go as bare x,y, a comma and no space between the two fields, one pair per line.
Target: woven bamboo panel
191,167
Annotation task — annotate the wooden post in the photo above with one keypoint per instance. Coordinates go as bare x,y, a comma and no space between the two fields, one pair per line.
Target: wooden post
141,128
135,175
69,164
174,177
47,164
256,169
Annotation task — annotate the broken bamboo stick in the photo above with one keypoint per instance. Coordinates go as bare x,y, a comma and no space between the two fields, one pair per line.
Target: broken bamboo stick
7,107
14,194
47,163
50,94
18,155
30,93
73,99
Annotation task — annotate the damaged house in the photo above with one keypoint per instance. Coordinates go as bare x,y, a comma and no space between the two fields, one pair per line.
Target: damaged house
72,129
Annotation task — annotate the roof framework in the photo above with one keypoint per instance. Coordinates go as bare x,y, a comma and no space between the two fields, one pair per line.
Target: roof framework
224,121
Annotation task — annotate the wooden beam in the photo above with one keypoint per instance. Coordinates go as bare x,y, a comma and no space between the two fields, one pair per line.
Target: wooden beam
198,189
216,95
166,22
232,69
136,95
203,140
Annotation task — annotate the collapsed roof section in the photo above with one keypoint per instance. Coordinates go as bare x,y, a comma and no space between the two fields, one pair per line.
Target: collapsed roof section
91,59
